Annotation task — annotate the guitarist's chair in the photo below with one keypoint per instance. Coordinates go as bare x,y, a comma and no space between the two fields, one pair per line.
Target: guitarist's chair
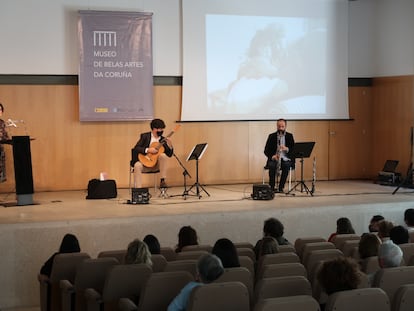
134,158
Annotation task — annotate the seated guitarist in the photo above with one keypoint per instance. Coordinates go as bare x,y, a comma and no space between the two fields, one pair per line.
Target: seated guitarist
152,150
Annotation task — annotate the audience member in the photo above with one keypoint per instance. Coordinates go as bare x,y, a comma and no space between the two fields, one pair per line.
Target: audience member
343,226
138,252
367,248
339,274
272,227
227,252
153,244
373,224
389,255
409,219
399,235
267,245
384,228
69,244
186,236
209,268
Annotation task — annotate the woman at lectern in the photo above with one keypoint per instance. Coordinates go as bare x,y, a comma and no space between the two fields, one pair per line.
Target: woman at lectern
3,136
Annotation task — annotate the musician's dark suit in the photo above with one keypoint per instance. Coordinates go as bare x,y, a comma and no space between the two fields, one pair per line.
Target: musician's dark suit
140,147
270,150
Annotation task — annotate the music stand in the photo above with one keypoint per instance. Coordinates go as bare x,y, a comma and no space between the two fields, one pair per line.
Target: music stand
302,150
196,154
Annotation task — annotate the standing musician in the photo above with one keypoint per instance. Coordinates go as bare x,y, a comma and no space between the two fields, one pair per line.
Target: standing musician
279,146
151,153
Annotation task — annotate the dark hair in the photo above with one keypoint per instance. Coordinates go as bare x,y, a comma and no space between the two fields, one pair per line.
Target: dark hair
339,274
1,107
157,124
209,268
344,226
267,245
399,235
384,228
368,245
227,252
152,243
273,227
70,244
186,236
409,217
374,220
281,119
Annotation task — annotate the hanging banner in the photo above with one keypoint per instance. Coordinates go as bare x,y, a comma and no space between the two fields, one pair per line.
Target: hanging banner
115,72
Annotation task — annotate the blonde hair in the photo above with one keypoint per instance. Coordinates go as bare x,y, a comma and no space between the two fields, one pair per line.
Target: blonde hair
138,252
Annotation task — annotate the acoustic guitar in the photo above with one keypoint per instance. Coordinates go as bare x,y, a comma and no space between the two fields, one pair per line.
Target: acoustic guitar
151,159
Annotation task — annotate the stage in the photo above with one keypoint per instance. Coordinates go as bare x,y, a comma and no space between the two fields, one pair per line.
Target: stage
30,234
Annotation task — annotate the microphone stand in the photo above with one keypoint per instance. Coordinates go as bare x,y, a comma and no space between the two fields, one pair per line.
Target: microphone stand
185,174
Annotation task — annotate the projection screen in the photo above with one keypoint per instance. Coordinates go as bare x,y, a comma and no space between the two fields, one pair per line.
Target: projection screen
263,60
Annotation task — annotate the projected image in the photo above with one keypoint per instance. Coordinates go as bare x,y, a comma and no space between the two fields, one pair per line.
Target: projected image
273,65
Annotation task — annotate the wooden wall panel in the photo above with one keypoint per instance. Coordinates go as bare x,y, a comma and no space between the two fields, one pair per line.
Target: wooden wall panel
67,153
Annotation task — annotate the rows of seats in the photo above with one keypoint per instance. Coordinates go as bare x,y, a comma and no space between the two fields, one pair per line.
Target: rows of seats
283,281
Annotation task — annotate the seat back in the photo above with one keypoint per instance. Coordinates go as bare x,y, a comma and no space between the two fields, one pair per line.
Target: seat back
348,247
118,254
204,247
390,279
161,288
243,245
367,299
404,298
284,269
370,265
274,259
168,253
190,255
320,255
248,263
300,243
340,239
182,265
286,248
124,281
91,273
308,247
64,268
228,296
239,274
408,251
158,262
244,251
292,303
282,287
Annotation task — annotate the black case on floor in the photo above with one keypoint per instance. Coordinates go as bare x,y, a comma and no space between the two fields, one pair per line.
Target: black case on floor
101,189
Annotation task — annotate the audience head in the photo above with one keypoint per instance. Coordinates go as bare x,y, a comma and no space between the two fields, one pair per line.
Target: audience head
409,217
399,235
273,227
227,252
153,244
209,268
339,274
138,252
157,124
268,245
344,226
368,245
186,236
389,255
70,244
384,228
373,224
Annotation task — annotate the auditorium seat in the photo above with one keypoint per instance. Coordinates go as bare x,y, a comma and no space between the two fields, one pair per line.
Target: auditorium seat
118,254
190,255
371,264
243,245
229,296
349,246
160,289
168,253
158,262
284,269
292,303
408,252
286,249
242,251
308,247
316,256
367,299
274,259
238,274
64,268
300,243
204,247
90,273
281,287
340,239
189,265
120,281
404,298
248,263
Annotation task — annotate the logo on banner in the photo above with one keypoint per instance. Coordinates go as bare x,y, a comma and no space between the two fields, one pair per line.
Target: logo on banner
104,38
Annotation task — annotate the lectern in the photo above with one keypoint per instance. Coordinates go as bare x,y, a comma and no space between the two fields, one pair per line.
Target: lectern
23,174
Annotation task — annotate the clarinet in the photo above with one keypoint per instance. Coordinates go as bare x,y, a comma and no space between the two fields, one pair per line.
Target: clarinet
279,155
314,175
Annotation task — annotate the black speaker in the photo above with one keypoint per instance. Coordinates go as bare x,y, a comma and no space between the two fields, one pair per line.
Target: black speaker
262,192
140,196
98,189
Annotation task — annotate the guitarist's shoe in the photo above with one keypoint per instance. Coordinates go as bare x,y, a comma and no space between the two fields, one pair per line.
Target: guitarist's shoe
163,184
